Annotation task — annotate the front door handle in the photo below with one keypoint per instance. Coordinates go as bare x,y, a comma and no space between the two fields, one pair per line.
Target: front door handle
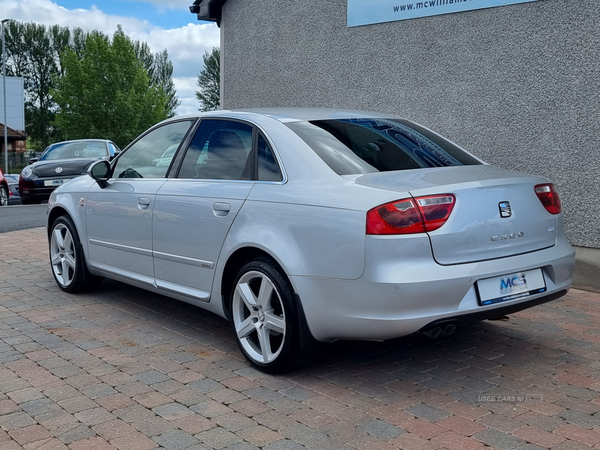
143,202
221,209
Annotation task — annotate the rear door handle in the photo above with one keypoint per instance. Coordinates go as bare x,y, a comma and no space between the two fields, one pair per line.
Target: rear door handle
143,202
221,209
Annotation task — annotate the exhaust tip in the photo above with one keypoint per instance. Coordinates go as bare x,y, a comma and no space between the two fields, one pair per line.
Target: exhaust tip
436,330
449,329
433,333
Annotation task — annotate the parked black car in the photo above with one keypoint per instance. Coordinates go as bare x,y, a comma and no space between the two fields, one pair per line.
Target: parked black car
14,197
58,164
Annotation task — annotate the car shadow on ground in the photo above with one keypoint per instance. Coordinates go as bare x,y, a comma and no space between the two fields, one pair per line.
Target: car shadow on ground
467,352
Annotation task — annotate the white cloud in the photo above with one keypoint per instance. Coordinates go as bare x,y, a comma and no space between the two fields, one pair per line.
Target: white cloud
189,105
49,13
170,4
185,45
186,88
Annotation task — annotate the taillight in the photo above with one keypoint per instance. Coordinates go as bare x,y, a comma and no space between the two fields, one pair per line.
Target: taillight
410,215
549,197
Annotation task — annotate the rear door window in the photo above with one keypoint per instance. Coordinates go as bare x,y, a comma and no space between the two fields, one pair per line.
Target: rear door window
220,150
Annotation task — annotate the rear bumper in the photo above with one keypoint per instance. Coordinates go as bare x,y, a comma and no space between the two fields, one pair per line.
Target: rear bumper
484,314
411,294
34,190
35,195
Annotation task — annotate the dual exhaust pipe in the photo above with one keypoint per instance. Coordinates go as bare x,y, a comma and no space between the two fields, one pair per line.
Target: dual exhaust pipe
439,329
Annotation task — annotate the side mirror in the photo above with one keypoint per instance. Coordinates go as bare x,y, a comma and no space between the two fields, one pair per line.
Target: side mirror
100,171
32,160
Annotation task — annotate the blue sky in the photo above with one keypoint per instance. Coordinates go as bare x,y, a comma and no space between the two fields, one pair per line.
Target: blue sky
172,15
163,24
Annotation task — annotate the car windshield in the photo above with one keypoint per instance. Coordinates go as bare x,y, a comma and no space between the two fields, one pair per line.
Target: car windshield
358,146
70,150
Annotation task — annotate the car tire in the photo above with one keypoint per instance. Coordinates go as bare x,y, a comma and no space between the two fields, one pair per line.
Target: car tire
67,258
3,196
265,317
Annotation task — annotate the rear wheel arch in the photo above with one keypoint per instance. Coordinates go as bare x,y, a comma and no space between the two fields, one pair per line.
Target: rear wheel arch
235,262
239,259
266,314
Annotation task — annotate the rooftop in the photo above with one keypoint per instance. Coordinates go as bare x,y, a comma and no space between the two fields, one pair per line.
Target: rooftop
12,133
208,10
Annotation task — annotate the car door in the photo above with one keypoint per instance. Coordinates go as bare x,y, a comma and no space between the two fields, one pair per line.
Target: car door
194,211
119,215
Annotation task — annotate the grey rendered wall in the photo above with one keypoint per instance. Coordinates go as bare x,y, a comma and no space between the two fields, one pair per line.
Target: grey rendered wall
517,85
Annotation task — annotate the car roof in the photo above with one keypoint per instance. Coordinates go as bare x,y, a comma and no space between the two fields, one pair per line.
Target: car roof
293,114
80,140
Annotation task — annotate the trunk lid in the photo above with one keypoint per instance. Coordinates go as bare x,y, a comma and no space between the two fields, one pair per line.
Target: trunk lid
497,212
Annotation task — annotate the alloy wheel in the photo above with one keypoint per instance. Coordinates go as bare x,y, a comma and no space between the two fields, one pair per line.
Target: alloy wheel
62,254
259,317
3,196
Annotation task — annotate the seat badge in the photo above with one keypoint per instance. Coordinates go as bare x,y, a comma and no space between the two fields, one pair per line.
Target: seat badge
505,209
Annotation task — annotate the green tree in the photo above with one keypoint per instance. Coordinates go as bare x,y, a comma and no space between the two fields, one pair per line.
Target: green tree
209,81
32,52
107,92
78,38
162,76
160,73
17,64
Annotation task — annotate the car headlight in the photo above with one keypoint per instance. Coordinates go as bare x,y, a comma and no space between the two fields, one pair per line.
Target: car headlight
27,172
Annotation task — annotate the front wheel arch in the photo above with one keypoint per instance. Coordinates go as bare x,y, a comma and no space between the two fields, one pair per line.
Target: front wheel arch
55,214
67,258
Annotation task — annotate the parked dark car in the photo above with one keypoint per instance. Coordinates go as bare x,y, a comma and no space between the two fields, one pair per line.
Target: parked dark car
14,197
3,190
59,163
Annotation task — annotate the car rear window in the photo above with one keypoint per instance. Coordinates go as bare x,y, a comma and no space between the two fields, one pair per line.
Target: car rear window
358,146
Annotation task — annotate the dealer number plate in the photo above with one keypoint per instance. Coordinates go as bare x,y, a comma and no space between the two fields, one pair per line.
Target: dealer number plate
510,287
53,182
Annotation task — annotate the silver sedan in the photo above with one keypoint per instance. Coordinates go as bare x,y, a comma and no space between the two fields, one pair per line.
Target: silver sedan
305,225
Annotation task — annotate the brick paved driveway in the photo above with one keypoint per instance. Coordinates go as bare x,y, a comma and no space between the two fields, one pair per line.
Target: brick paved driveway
122,368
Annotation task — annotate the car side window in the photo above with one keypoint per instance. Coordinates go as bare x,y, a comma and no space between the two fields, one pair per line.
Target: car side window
268,169
147,157
113,148
220,150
